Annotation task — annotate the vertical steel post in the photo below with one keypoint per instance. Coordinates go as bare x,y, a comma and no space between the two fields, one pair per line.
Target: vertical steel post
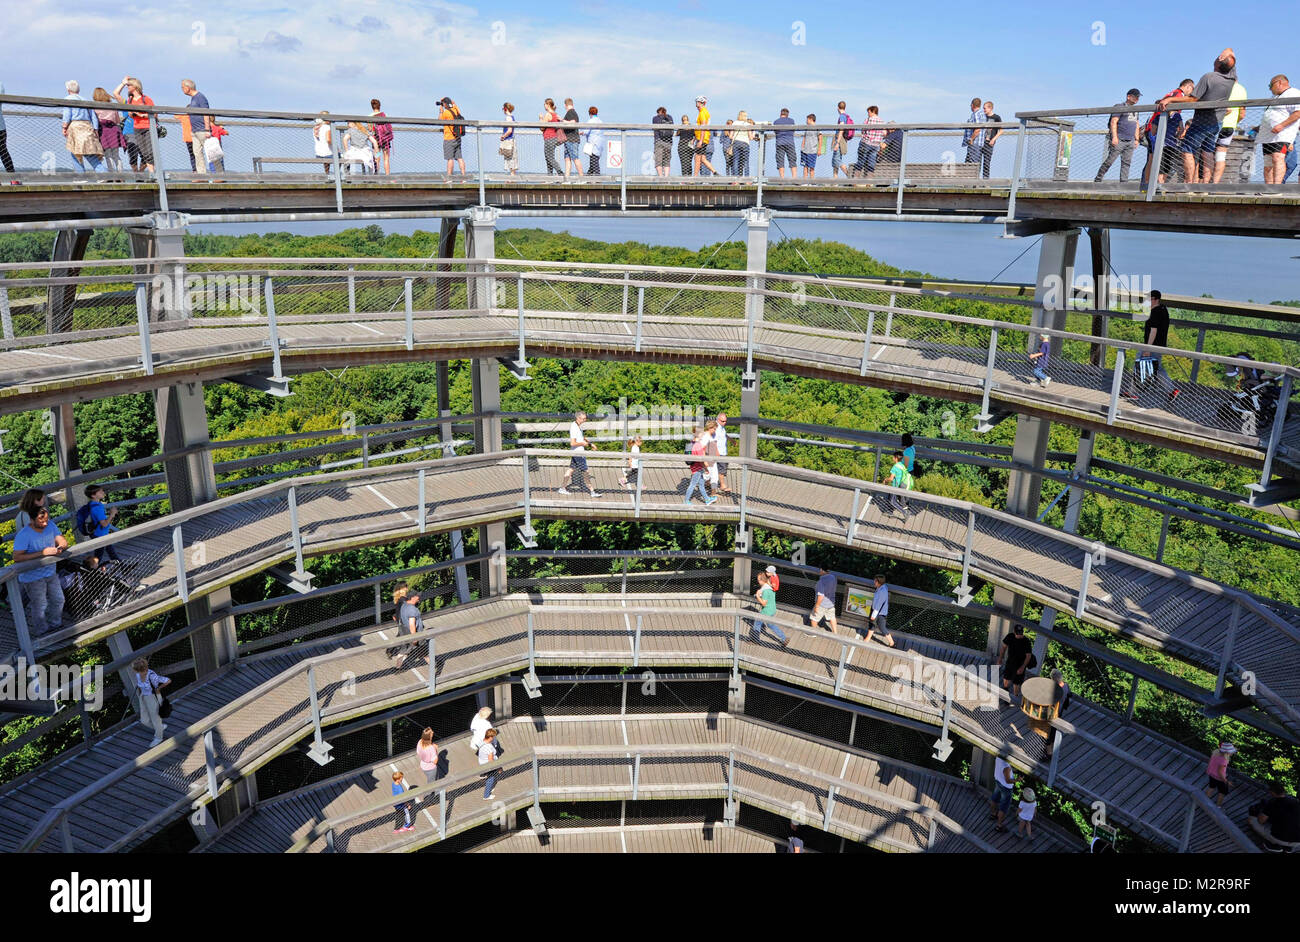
866,343
142,320
537,783
178,553
985,415
744,493
338,171
65,832
839,671
636,774
388,734
158,172
1228,643
365,449
442,812
622,184
379,604
519,292
735,647
532,648
6,316
637,505
294,529
420,488
272,330
1082,603
853,516
640,308
1275,433
1058,742
1157,155
315,704
636,644
1164,534
1200,348
528,496
1116,383
902,171
482,170
1132,699
20,621
627,276
410,314
963,589
210,760
760,170
1017,170
1191,805
433,666
352,289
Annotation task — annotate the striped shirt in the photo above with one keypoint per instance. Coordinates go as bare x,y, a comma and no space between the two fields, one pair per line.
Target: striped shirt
874,130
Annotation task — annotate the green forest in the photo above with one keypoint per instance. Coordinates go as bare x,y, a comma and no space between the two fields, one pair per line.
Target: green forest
121,429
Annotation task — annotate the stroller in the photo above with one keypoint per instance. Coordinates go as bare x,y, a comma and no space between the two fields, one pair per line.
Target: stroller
91,589
1253,404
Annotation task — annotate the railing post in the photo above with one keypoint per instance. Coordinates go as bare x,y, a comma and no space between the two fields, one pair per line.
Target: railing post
330,841
537,783
1186,842
442,812
934,826
853,515
902,171
636,643
1058,742
866,343
1116,384
1157,155
528,496
20,621
627,562
731,773
352,290
532,647
622,184
839,671
519,292
6,316
159,174
295,531
210,760
744,494
1164,534
1082,603
1228,643
985,415
640,308
889,318
830,807
87,733
760,170
1018,169
482,170
318,739
420,488
338,172
1275,433
272,330
636,774
627,275
1200,348
948,681
735,647
636,509
433,666
365,449
1132,699
410,314
964,594
142,320
65,832
388,735
379,604
750,310
178,553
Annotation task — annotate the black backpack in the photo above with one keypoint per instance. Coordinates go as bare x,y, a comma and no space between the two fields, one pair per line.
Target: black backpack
85,522
457,130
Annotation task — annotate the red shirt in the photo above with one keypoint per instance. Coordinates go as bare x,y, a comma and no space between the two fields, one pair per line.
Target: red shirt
697,449
550,133
141,121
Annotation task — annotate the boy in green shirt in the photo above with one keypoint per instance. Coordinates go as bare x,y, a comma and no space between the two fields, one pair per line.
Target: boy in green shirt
766,596
900,478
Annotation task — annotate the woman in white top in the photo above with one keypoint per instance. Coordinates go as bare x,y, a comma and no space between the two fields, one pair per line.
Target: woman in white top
323,136
147,687
633,462
358,148
488,753
507,148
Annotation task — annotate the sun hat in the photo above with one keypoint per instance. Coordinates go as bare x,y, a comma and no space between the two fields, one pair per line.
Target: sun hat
1227,748
1028,795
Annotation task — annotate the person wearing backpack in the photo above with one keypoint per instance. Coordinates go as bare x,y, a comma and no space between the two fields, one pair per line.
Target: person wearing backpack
841,145
900,478
451,135
95,518
383,135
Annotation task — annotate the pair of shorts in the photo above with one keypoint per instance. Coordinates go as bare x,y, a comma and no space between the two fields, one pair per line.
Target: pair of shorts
808,160
144,146
1200,138
785,156
1276,147
571,150
1218,784
578,463
827,611
451,148
632,475
722,467
1002,798
663,153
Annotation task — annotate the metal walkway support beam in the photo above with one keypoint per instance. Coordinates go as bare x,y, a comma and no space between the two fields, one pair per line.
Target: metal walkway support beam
446,249
1073,507
61,300
446,436
480,242
1099,243
486,385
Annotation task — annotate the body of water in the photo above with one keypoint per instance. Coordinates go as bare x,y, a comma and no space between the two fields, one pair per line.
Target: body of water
1235,267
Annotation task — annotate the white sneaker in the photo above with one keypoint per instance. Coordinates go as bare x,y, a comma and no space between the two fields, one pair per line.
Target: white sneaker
563,491
595,493
1044,381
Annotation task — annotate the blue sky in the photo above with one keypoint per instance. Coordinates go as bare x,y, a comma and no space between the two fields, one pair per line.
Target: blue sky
918,61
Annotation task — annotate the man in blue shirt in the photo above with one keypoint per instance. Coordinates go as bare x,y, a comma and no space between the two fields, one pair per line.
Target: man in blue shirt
840,144
972,138
785,152
200,125
98,520
40,539
880,613
824,604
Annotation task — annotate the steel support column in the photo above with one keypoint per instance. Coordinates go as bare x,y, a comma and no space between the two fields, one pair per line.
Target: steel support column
486,384
1099,242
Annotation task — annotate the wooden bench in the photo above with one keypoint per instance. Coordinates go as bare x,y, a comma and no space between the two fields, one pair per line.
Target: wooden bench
928,171
320,161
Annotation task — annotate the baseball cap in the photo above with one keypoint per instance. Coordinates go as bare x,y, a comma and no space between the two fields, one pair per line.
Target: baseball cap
771,569
701,100
1135,93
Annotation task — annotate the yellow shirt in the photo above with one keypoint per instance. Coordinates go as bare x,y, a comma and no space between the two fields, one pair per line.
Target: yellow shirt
702,118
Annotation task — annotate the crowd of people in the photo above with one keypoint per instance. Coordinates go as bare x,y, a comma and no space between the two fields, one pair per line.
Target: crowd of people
107,139
435,763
